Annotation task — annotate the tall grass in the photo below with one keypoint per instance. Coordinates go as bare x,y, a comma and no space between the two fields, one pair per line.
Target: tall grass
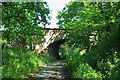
19,62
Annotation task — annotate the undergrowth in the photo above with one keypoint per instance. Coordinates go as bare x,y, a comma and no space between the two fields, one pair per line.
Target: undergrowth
19,62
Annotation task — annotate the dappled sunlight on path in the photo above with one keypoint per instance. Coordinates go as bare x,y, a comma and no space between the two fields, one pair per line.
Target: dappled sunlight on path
52,71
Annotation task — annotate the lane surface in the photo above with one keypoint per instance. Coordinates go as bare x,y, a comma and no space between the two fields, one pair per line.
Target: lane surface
52,71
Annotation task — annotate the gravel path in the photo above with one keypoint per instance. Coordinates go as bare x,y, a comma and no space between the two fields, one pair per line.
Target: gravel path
52,71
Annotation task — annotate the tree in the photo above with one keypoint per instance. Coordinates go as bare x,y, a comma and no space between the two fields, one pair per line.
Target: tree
21,20
89,21
95,27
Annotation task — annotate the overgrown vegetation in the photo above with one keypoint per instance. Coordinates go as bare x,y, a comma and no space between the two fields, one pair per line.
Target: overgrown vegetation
21,31
20,63
20,21
93,49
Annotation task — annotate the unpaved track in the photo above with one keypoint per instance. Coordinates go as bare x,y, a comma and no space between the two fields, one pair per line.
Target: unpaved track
53,71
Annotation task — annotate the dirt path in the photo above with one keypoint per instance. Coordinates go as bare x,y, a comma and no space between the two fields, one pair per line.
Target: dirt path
52,71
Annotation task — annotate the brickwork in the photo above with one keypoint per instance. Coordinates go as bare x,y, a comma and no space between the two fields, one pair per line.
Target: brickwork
51,35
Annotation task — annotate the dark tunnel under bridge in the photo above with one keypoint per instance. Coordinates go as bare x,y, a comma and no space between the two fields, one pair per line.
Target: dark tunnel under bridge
53,48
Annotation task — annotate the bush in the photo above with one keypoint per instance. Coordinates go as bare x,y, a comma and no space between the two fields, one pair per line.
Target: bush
19,62
101,61
94,64
84,70
105,57
76,67
110,66
73,61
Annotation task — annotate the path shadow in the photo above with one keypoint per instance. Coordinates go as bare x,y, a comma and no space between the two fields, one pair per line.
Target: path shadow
53,71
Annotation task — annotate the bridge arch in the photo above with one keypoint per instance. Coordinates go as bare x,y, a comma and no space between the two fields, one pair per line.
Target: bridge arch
53,48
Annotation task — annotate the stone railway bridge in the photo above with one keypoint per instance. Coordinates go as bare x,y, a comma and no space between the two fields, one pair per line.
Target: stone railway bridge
52,40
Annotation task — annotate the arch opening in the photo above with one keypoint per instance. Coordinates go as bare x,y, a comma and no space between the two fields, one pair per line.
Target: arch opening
53,48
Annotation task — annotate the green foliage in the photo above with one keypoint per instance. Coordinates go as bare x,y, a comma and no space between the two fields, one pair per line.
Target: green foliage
19,62
93,66
72,60
95,30
87,19
0,72
21,20
104,57
78,69
110,66
84,71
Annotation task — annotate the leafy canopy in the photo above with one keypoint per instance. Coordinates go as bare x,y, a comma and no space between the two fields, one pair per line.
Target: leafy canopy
88,19
21,20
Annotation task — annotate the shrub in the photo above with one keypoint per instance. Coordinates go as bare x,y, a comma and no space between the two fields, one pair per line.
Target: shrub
19,62
72,62
84,70
110,66
76,67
